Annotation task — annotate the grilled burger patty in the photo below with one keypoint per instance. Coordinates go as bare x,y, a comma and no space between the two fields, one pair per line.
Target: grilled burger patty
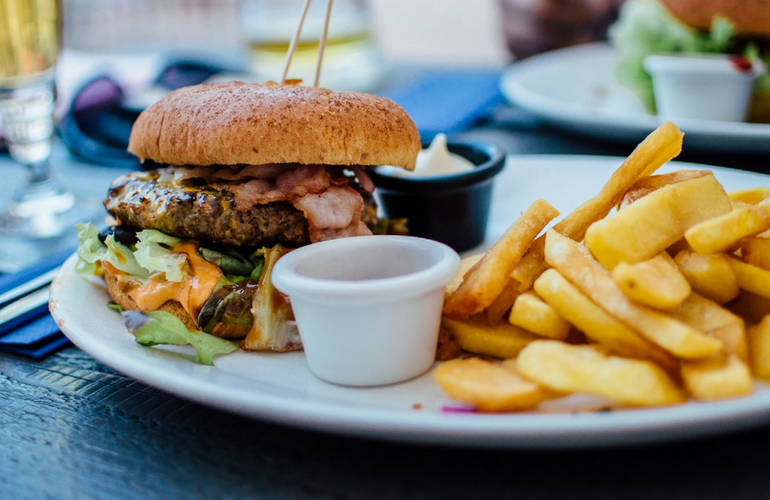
205,212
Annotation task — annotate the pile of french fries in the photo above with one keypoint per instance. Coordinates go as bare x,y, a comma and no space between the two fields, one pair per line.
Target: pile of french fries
654,292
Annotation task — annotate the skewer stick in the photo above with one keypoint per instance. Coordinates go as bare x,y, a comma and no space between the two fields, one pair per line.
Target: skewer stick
322,43
294,42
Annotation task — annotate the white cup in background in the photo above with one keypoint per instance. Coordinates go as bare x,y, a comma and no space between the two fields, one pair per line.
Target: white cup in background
702,86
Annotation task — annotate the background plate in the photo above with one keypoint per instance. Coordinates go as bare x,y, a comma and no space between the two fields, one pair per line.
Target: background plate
575,89
279,387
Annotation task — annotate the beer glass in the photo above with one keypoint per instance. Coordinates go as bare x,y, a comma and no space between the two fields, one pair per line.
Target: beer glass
30,35
351,59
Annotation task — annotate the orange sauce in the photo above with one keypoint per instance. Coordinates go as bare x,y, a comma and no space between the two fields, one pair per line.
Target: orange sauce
192,292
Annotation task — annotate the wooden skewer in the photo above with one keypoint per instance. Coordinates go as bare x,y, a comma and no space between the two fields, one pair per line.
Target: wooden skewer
322,43
294,42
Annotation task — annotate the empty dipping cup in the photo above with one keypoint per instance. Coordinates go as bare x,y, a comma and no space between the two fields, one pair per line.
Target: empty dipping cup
368,308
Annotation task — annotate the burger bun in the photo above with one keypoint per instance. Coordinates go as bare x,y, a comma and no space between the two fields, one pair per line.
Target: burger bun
750,17
258,124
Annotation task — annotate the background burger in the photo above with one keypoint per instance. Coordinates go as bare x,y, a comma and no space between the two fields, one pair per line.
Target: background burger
245,173
645,27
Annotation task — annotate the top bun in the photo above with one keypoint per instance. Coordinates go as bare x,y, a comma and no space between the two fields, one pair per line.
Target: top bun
750,17
238,123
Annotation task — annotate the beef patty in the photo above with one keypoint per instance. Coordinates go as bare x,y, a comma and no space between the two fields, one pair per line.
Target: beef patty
207,212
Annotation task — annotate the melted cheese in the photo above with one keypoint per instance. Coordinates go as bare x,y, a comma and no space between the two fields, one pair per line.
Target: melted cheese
192,292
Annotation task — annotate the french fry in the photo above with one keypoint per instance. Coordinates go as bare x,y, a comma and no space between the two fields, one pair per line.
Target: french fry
717,378
487,279
756,251
709,275
466,264
530,266
447,346
751,278
656,282
479,337
759,348
662,145
679,246
532,314
502,303
647,185
750,196
653,223
572,261
584,369
725,232
595,323
750,306
489,386
715,321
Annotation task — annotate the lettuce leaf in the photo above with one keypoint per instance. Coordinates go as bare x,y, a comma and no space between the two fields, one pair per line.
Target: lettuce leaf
122,258
150,256
153,253
161,327
91,251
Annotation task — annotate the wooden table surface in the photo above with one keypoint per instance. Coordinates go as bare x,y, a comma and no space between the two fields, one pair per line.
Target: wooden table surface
71,427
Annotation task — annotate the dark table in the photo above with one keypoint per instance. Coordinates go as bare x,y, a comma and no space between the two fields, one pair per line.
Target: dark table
73,428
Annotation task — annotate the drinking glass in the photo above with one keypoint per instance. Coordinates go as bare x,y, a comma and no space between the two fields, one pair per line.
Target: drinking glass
30,35
351,59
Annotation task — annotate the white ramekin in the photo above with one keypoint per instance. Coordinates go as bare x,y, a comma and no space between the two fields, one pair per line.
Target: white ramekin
368,308
702,86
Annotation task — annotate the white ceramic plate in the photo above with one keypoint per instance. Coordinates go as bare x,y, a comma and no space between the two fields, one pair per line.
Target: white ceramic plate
575,89
280,388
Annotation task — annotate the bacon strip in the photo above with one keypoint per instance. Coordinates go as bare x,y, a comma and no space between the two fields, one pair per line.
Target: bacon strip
303,180
251,193
289,186
265,172
335,213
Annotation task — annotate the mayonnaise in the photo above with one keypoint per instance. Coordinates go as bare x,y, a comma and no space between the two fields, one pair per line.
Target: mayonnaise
434,161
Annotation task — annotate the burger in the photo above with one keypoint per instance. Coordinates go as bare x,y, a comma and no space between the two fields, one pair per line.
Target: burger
737,27
242,173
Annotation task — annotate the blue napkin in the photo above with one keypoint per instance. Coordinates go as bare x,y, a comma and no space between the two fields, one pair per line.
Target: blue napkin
35,334
447,100
35,339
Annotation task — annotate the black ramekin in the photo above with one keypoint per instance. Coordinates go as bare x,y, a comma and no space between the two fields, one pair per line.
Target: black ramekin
452,209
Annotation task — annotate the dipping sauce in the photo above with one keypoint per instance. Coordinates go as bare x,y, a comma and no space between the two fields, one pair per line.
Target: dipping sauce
434,161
